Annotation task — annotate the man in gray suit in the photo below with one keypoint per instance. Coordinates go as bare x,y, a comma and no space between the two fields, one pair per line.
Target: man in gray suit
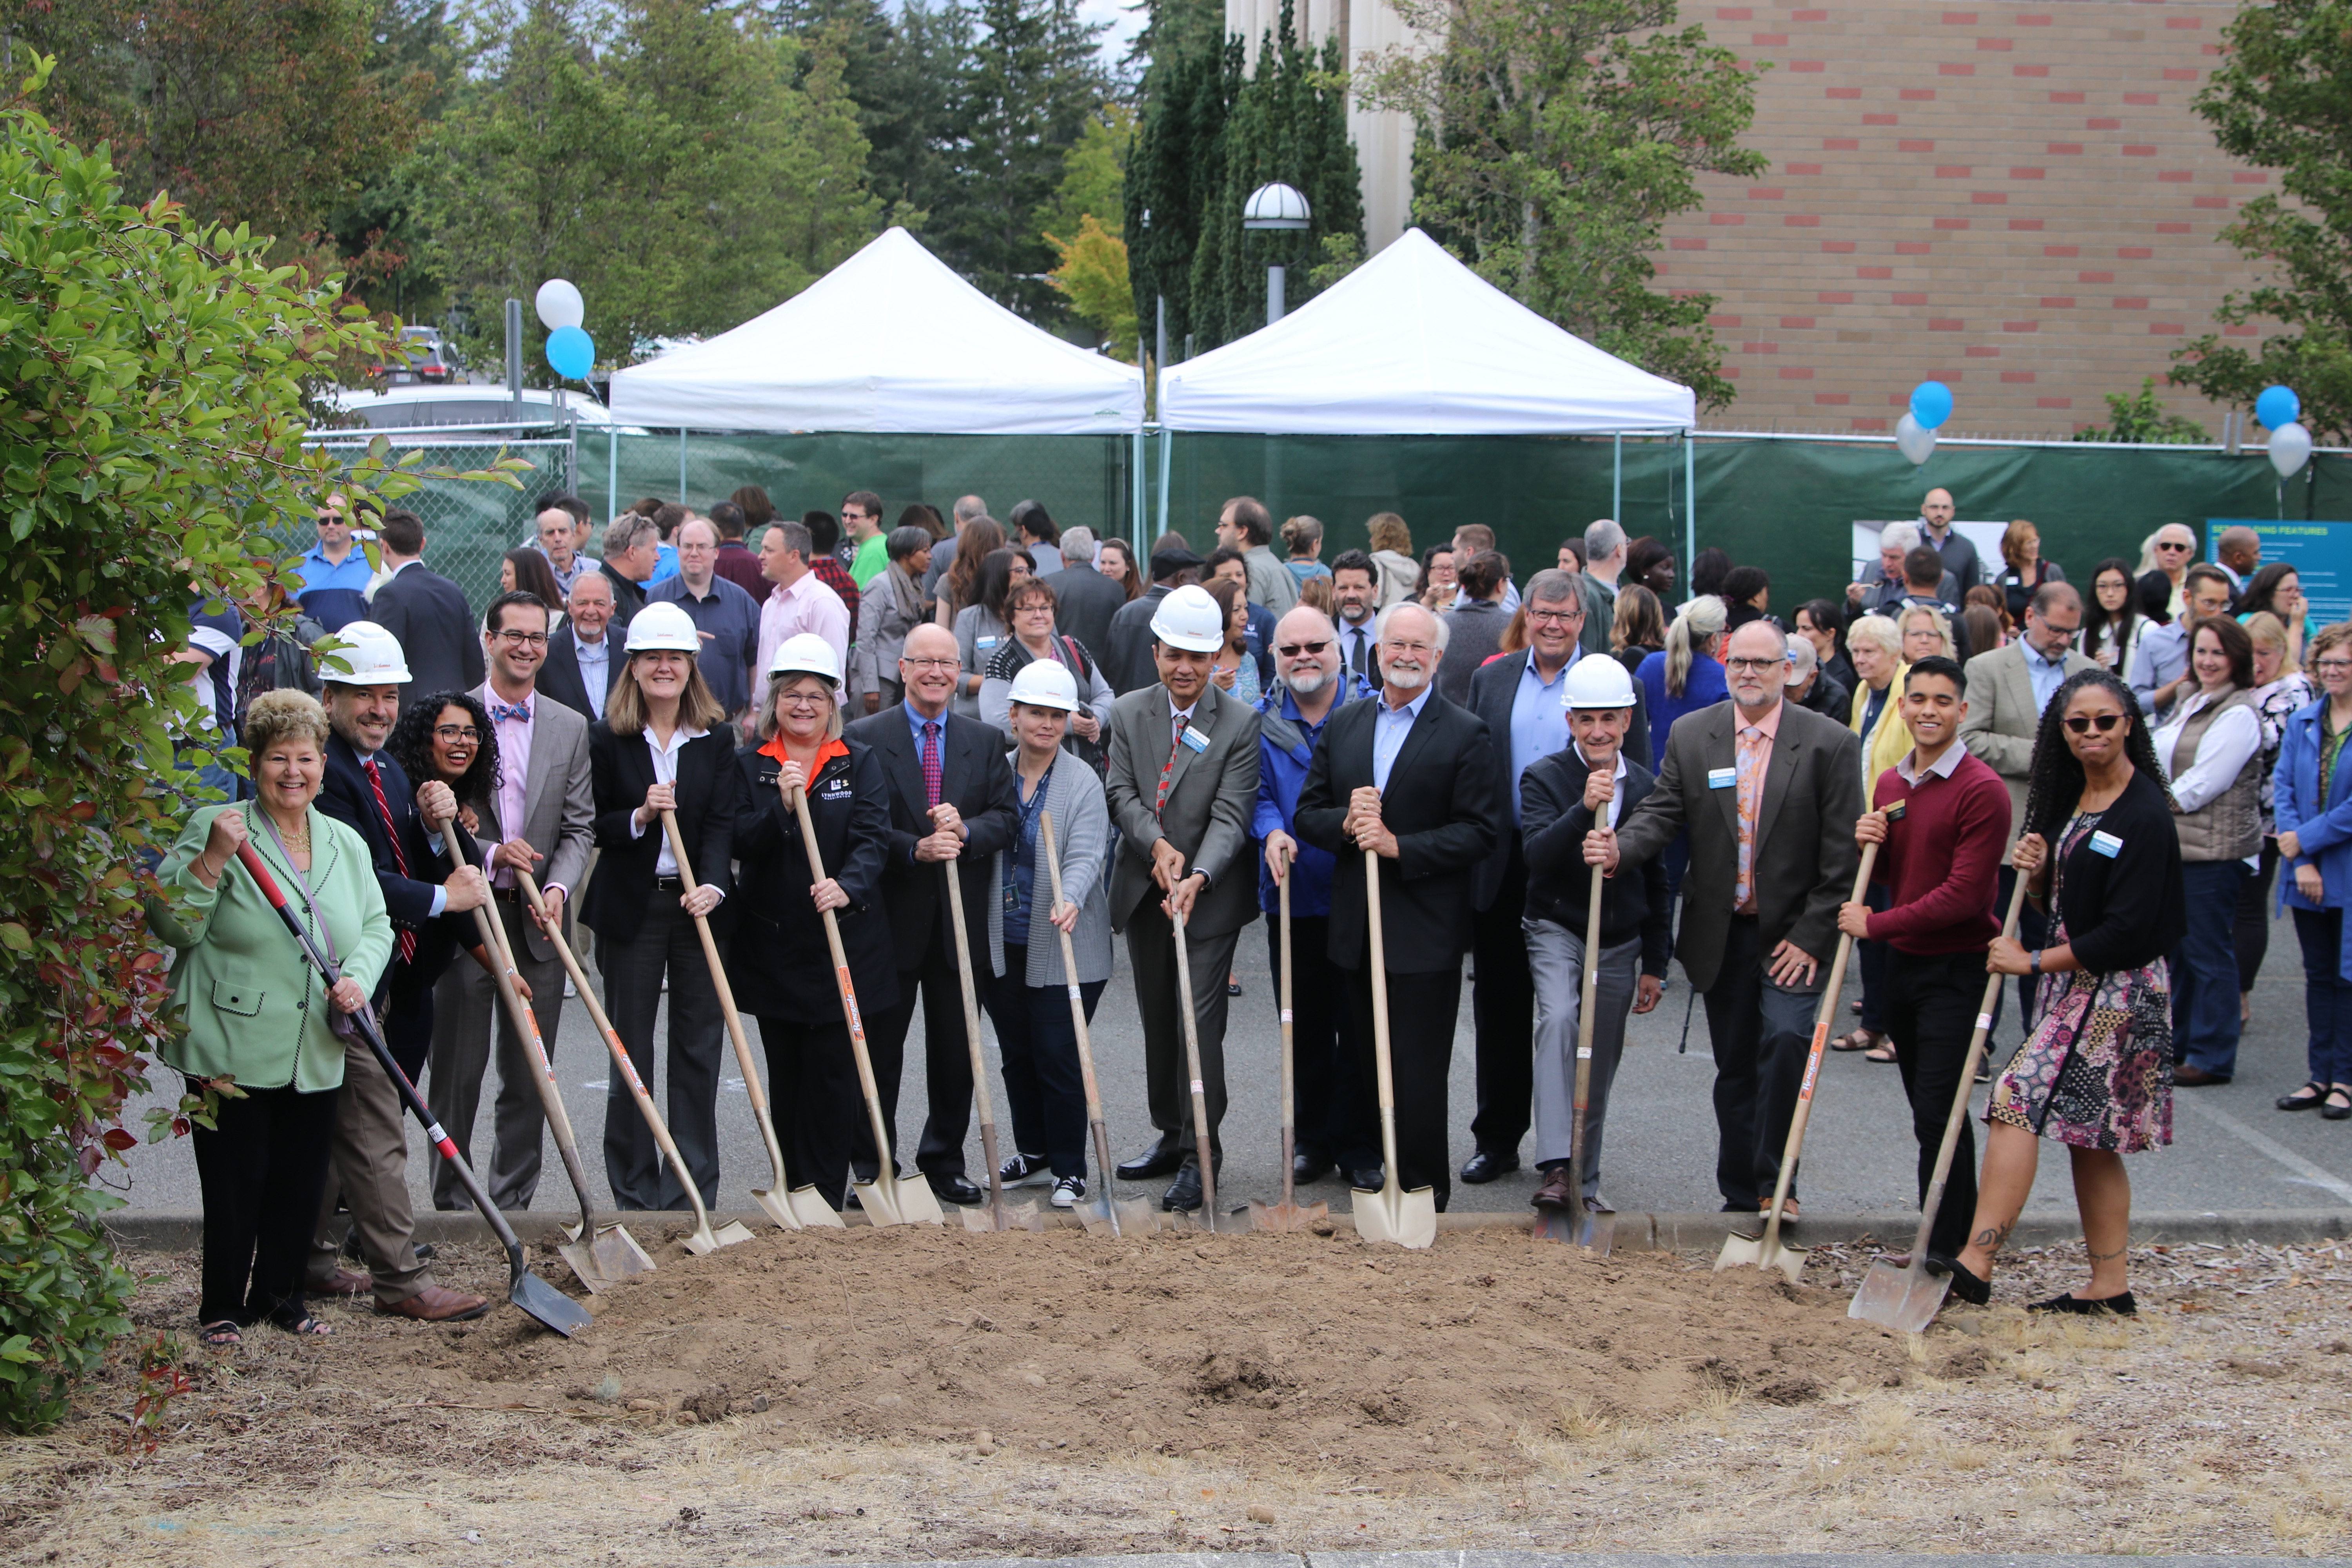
2008,690
1769,794
539,819
1183,787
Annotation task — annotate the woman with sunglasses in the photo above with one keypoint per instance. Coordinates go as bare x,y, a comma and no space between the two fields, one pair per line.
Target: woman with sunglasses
2314,802
2211,747
2100,854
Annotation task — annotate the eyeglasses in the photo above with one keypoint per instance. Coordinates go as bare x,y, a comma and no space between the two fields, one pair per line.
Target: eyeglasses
453,734
2081,723
2336,665
1554,617
1414,648
327,517
1754,666
2164,546
1305,650
929,663
801,700
523,639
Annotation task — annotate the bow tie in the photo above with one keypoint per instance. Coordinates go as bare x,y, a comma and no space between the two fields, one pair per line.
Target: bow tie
500,712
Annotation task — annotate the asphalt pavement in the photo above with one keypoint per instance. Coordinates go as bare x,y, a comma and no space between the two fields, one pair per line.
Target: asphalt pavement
2231,1151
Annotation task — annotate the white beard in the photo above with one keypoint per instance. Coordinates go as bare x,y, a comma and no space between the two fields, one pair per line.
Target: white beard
1309,682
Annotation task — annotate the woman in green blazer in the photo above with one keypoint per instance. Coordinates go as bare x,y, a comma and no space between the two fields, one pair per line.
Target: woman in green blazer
259,1017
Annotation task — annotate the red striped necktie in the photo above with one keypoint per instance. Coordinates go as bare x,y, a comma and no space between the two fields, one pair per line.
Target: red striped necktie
399,861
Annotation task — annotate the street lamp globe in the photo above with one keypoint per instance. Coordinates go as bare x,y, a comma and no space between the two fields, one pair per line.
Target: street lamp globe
1278,206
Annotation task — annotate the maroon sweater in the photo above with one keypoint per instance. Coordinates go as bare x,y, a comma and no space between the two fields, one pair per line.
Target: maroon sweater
1941,860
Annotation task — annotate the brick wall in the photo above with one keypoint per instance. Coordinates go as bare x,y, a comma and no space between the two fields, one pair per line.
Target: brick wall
2017,200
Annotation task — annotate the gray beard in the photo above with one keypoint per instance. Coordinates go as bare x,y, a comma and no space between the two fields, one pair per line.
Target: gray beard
1306,684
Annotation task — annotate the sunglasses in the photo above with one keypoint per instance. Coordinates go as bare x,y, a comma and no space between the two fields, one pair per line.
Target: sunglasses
2082,723
2172,547
1294,649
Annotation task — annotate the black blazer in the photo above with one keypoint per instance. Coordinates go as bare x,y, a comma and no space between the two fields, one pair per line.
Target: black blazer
779,964
345,795
1441,805
1083,602
621,769
438,632
1493,691
560,677
976,780
1553,821
2129,911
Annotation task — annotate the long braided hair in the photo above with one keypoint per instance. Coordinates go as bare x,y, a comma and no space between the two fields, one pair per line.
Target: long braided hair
2054,785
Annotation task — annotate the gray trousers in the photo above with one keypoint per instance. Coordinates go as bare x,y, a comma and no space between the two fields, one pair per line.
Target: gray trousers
1556,960
633,1166
369,1173
465,1000
1168,1080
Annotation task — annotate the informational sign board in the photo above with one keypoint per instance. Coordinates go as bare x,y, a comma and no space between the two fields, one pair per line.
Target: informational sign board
2320,552
1985,536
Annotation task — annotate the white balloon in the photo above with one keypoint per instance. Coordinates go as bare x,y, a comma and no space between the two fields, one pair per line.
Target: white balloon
2290,448
559,305
1915,440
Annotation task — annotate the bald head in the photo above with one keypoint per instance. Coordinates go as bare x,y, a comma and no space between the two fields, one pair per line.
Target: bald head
1306,650
926,663
1756,661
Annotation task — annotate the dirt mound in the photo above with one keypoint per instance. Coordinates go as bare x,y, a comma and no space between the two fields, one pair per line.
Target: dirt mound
1294,1346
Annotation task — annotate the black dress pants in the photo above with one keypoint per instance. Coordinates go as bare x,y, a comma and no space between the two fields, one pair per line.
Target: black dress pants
666,944
1761,1032
261,1169
813,1096
1423,1007
1931,1013
929,977
1324,1039
1045,1089
1503,1005
1167,1077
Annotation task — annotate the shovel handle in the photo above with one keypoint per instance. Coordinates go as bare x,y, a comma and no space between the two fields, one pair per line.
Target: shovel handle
1079,1021
949,871
1386,1074
1289,1070
1201,1141
1591,982
883,1152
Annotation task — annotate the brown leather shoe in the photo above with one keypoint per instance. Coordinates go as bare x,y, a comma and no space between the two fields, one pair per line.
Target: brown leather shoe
1554,1192
342,1282
438,1304
2186,1076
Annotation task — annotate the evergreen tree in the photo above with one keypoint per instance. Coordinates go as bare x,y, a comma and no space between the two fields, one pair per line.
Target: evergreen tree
1170,171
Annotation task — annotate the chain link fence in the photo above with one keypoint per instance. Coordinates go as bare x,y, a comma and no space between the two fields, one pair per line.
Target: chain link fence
469,524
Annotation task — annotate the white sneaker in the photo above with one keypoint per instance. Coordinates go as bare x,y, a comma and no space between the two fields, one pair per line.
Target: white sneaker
1070,1192
1025,1170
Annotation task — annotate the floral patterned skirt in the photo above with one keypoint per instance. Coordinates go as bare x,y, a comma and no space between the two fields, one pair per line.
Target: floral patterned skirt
2096,1071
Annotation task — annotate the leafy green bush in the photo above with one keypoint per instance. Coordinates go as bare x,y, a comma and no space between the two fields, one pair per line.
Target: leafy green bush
151,381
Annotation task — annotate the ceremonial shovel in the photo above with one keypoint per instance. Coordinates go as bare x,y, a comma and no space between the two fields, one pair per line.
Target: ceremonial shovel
1907,1299
524,1288
999,1217
794,1208
885,1201
1391,1214
1200,1143
1579,1225
1287,1214
1105,1212
1768,1251
601,1255
702,1238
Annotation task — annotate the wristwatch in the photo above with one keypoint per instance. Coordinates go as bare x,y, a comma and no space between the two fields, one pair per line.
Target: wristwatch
2037,962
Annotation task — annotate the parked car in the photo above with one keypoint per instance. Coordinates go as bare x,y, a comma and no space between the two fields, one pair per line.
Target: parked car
418,406
422,357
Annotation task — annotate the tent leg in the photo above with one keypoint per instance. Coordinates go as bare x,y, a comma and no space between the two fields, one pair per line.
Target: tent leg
1135,491
1617,482
611,472
681,464
1690,505
1167,457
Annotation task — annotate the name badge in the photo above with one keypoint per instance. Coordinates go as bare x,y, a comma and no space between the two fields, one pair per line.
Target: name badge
983,644
2105,844
1722,778
1194,738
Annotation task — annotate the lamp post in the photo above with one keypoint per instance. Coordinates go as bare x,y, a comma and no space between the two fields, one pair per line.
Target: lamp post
1278,207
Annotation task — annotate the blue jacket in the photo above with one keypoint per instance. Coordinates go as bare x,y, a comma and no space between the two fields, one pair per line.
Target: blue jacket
2325,828
1285,748
1705,687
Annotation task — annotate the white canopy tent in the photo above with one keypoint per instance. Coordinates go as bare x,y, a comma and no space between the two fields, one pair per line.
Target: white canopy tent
1412,342
890,341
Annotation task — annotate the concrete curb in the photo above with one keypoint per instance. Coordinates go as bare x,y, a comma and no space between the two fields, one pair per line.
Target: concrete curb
1676,1232
1595,1560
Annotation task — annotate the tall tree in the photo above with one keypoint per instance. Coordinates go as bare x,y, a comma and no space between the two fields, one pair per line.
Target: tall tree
2281,99
1172,174
1557,137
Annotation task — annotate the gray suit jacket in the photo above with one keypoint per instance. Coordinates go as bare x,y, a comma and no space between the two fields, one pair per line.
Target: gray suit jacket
1805,853
1210,797
2002,717
559,811
1085,600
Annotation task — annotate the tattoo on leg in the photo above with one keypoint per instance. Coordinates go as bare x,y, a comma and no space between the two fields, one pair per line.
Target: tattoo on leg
1993,1235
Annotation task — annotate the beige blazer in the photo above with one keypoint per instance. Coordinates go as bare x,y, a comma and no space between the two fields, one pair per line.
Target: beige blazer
2002,717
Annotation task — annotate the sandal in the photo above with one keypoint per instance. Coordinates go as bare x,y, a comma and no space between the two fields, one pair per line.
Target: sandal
1859,1040
305,1325
1883,1051
2307,1098
220,1335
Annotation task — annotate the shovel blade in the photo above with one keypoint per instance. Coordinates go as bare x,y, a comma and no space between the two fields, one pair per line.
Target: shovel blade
709,1240
545,1302
1285,1217
1904,1299
1746,1251
1137,1217
1016,1216
796,1208
1094,1214
610,1257
1594,1232
889,1201
1391,1214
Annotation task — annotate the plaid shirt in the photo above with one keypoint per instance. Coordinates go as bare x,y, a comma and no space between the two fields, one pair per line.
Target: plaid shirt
835,576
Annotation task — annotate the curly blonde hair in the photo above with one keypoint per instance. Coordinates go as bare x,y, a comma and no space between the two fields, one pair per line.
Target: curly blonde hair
277,715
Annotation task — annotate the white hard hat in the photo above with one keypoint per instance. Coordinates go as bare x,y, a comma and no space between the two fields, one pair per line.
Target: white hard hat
806,653
1189,619
370,656
662,625
1042,683
1597,680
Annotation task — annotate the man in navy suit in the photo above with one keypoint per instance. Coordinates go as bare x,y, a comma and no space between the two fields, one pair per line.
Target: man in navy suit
951,815
426,613
584,658
366,790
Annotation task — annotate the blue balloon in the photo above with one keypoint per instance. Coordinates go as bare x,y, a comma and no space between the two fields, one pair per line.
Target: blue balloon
1931,404
2277,406
571,352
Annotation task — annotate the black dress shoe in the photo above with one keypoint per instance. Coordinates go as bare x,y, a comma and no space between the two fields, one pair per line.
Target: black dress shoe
1308,1167
1184,1197
1367,1180
955,1190
2122,1306
1486,1165
1160,1160
1975,1292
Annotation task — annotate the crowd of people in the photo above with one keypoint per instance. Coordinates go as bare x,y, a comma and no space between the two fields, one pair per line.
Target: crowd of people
1198,741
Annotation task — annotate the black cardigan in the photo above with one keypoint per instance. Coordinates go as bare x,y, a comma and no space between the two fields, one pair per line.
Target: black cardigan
778,962
2129,911
1553,821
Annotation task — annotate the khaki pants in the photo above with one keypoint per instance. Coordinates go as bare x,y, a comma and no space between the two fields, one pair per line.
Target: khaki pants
369,1171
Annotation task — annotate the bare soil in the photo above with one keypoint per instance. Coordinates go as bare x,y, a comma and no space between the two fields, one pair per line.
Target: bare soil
869,1396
